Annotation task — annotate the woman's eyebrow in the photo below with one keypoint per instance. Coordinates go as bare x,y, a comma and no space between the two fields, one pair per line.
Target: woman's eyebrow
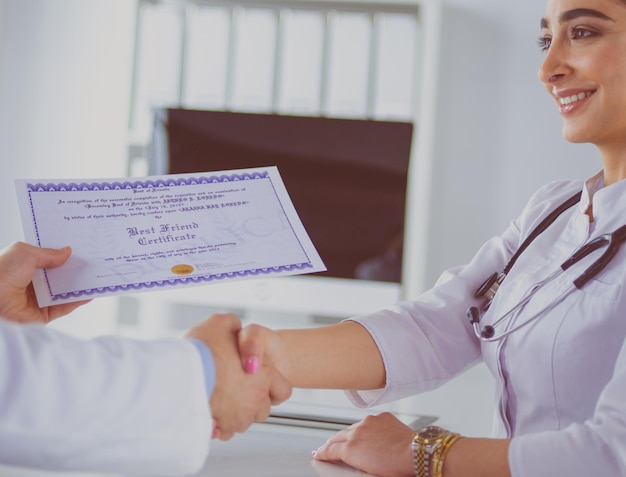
577,13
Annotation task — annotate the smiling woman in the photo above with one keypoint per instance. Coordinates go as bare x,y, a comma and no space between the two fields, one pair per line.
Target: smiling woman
585,72
560,370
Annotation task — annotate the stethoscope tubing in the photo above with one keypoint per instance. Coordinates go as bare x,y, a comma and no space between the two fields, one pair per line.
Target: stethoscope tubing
612,241
483,334
488,289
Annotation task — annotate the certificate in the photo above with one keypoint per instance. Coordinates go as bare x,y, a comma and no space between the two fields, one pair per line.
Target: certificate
134,235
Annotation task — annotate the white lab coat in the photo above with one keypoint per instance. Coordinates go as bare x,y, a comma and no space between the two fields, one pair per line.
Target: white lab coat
105,405
561,381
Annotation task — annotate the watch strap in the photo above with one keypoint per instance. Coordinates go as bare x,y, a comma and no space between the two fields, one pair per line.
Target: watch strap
418,458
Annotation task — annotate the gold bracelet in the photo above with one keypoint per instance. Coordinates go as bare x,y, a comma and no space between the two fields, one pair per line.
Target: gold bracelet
440,456
436,457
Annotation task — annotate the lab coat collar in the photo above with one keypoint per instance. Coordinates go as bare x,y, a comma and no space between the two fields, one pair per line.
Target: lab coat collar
604,199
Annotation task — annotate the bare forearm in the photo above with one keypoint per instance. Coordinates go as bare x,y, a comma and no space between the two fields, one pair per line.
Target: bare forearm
342,356
473,457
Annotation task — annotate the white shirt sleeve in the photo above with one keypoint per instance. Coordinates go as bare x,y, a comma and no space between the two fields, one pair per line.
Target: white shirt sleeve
106,405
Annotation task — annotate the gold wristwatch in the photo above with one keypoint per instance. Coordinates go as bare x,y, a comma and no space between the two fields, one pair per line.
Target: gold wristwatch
425,443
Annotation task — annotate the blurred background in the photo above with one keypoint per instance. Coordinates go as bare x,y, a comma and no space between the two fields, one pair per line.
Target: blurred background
80,79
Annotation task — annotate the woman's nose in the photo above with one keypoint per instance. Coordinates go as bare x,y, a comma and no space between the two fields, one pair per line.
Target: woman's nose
554,65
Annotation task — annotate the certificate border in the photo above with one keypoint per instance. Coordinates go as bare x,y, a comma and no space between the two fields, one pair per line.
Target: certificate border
155,184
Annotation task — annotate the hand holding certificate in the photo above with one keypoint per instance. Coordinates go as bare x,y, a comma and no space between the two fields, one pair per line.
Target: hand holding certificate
132,235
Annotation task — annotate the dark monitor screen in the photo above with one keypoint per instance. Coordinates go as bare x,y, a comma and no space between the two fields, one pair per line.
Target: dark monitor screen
347,178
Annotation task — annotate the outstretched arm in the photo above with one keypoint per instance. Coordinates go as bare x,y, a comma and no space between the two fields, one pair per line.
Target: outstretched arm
344,356
341,356
18,264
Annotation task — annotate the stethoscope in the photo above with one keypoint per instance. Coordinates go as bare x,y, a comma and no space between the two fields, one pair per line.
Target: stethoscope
612,242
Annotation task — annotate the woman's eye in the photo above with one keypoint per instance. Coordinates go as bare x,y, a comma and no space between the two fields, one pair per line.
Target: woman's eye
580,33
544,43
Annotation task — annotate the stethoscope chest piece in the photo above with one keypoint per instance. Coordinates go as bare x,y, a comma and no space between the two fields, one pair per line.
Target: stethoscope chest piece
490,287
487,291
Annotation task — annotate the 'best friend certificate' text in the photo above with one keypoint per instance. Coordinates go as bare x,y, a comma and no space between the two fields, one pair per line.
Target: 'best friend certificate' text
130,235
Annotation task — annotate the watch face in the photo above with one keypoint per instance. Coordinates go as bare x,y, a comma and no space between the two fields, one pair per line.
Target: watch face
431,433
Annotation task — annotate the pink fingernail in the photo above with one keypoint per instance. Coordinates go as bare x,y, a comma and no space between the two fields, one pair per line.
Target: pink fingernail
252,365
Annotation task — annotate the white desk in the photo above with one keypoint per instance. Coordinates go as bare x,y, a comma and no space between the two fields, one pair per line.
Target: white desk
269,450
284,450
265,450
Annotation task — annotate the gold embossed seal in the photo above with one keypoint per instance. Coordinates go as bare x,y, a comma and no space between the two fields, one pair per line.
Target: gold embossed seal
182,269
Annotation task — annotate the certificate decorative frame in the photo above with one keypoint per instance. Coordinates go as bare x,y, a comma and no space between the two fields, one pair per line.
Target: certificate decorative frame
37,211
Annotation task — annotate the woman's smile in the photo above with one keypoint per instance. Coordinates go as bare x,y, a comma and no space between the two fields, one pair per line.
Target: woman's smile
570,100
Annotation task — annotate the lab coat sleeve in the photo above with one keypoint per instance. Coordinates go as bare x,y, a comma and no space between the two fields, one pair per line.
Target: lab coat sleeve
428,341
105,405
595,447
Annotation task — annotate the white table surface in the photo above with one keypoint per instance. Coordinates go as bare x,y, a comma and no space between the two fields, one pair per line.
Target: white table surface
273,451
280,447
264,450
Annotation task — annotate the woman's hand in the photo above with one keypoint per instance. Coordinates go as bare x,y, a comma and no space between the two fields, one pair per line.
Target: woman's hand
378,445
238,398
338,356
18,264
261,346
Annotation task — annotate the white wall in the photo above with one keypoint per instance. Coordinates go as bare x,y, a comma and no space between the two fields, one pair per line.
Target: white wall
64,87
64,91
1,10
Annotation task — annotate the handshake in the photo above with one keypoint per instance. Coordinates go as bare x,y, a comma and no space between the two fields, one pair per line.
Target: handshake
152,388
248,379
